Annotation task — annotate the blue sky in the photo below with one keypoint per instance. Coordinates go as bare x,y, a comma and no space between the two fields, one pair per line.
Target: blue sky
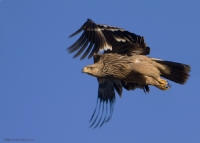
45,98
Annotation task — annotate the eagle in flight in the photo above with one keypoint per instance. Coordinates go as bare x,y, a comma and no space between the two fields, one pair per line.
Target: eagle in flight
123,64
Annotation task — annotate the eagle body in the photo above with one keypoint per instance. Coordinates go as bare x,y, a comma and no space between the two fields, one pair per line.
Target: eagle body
123,64
138,69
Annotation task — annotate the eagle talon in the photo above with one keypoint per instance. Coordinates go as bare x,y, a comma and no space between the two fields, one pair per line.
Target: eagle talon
164,85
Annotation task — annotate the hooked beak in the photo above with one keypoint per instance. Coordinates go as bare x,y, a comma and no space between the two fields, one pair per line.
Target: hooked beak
84,70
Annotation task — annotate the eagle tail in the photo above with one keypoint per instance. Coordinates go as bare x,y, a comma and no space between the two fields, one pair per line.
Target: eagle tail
176,72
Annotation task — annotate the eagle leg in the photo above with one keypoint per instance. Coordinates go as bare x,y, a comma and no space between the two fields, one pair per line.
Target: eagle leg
163,84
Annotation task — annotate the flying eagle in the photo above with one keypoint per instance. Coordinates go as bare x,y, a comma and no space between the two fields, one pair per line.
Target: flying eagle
138,69
123,64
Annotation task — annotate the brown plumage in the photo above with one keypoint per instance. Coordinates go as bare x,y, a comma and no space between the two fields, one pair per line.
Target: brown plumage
122,65
138,69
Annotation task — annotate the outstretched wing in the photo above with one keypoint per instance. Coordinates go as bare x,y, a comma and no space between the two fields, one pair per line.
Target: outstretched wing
106,97
97,37
105,101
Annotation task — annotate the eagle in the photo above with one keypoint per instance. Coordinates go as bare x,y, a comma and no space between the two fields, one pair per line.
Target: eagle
121,61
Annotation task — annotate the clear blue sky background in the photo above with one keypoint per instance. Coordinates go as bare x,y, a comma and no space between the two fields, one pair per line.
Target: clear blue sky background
44,96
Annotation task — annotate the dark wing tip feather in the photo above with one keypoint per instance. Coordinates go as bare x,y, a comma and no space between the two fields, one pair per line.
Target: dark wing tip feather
93,34
75,33
77,44
106,95
89,21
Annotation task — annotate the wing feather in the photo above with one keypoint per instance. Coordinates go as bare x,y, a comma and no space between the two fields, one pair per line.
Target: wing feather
75,33
106,95
97,44
82,49
89,36
108,38
77,44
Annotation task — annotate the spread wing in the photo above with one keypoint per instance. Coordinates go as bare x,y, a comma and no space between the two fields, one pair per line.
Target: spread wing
97,37
106,97
105,101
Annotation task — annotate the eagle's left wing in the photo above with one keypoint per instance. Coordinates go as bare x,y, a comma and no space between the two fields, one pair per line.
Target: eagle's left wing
98,37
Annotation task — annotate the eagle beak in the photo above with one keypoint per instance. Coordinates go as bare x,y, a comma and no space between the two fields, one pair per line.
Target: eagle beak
84,70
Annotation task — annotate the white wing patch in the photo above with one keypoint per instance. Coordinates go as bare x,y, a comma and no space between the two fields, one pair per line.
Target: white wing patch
119,39
108,47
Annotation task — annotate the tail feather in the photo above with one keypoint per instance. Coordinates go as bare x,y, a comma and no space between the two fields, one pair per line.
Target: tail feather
179,72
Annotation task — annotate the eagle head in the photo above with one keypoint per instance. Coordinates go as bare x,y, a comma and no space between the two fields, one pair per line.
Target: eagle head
92,70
